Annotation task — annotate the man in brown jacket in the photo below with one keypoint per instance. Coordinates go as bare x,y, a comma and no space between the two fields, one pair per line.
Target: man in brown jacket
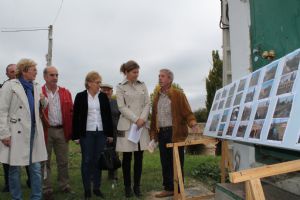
171,114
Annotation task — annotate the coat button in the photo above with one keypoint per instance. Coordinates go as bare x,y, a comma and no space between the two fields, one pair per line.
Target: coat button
19,132
20,107
19,119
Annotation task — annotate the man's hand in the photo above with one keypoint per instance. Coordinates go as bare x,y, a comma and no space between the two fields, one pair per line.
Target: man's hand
140,123
195,128
6,141
76,141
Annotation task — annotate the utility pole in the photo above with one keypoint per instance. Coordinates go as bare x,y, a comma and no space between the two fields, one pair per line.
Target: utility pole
50,44
50,38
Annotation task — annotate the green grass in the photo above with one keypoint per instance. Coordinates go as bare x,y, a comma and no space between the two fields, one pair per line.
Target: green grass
151,177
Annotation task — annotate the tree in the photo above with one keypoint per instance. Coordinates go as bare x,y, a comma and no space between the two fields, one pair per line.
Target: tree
201,115
214,79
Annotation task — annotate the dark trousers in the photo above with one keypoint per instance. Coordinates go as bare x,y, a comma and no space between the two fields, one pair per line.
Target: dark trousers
126,167
91,147
6,171
166,159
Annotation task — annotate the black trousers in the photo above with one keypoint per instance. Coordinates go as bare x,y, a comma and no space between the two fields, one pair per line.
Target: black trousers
166,159
137,167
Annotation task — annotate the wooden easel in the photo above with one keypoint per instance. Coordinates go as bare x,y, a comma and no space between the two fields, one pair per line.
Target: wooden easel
178,180
226,161
251,177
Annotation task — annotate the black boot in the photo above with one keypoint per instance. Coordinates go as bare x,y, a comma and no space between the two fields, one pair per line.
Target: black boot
137,191
128,192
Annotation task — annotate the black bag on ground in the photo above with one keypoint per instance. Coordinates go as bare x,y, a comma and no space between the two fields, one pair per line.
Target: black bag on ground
109,159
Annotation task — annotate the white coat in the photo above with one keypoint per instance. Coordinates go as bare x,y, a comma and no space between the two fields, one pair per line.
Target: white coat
15,122
133,103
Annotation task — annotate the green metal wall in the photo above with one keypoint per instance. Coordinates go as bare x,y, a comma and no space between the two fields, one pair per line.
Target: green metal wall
275,25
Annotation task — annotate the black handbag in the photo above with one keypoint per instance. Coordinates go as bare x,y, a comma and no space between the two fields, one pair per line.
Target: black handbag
109,159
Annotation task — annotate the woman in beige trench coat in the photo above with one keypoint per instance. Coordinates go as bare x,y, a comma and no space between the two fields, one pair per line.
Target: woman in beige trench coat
134,105
21,133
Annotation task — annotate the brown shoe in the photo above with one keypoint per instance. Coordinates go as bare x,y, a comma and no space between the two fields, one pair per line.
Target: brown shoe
164,193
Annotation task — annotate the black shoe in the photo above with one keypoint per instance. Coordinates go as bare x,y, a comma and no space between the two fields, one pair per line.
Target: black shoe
128,192
87,194
6,188
137,191
28,183
98,193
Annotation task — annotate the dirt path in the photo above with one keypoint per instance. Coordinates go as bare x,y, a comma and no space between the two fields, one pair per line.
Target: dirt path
194,188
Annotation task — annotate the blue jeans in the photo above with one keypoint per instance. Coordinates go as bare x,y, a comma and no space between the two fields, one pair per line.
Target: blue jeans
35,178
91,147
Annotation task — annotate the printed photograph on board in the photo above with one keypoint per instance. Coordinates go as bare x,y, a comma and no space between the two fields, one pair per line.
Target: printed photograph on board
250,94
221,129
242,85
242,129
238,99
286,83
214,122
231,91
254,79
225,115
224,93
270,72
221,104
266,89
230,128
262,110
292,64
283,107
228,102
218,96
277,129
215,106
256,129
235,113
246,112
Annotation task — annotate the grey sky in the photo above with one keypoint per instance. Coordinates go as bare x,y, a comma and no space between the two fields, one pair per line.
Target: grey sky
101,35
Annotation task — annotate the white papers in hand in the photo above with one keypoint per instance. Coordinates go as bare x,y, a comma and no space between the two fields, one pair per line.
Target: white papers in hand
134,133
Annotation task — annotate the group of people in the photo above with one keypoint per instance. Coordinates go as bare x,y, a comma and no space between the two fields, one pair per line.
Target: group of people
35,120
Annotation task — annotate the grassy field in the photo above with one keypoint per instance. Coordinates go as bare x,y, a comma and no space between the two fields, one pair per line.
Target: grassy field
151,177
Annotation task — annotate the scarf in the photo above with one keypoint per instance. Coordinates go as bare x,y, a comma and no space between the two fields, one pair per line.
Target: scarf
28,87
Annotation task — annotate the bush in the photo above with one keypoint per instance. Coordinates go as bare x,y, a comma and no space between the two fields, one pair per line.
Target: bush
208,171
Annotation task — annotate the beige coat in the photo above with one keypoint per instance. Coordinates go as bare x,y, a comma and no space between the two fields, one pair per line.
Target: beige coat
15,121
134,103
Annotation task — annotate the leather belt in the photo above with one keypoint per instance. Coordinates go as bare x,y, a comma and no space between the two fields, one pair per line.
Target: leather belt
57,127
165,129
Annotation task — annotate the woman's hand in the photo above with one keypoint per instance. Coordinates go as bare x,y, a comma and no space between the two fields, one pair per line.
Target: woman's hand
140,123
6,141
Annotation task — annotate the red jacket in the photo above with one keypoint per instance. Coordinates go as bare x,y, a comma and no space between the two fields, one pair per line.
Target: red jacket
66,105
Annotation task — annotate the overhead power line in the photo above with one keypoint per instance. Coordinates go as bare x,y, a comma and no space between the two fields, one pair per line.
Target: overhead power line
58,12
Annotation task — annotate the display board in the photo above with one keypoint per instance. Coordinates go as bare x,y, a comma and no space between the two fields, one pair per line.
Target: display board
261,108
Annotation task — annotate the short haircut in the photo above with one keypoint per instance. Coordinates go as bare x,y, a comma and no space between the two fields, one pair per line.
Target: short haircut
23,66
90,77
8,66
169,73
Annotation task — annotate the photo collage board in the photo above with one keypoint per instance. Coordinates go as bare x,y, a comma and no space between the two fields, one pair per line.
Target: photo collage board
262,107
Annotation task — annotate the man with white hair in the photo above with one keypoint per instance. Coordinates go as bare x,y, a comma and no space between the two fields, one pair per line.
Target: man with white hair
171,114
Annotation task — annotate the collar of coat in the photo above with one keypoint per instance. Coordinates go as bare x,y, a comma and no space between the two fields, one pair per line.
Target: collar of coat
125,81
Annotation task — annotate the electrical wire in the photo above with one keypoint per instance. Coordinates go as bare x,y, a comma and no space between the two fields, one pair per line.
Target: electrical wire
58,12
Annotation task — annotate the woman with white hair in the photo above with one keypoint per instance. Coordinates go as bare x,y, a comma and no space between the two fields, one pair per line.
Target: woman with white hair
21,132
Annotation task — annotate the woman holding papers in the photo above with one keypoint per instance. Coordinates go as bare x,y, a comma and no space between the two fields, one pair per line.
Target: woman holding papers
92,125
132,137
